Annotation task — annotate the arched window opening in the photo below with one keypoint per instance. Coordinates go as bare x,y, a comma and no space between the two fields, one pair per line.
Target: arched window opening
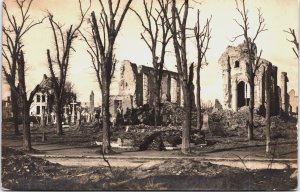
236,64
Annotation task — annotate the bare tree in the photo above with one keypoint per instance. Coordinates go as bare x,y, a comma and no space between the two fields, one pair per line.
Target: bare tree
63,45
253,61
101,50
20,92
294,41
268,108
13,31
156,35
177,26
202,39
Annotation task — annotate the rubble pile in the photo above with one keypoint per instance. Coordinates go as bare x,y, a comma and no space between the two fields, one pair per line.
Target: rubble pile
24,164
21,172
145,137
282,129
227,123
190,168
171,114
141,115
222,123
18,168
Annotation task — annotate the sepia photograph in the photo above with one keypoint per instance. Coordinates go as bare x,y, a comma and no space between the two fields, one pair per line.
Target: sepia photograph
149,95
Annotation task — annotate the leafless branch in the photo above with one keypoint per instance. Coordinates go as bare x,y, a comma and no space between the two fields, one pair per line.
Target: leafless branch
253,63
63,55
294,41
101,51
17,25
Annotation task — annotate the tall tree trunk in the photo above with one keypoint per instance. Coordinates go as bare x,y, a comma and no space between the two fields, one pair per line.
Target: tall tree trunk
268,111
106,148
15,110
158,119
198,100
186,126
157,107
251,112
26,128
58,111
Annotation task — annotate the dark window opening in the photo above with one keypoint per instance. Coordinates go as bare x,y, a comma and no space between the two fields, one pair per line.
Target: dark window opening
38,110
43,98
237,64
38,98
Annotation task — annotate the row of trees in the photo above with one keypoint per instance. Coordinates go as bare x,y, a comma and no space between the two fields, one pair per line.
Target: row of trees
12,45
14,31
162,23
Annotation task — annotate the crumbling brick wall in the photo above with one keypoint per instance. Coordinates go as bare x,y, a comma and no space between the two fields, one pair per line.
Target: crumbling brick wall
129,82
293,102
126,103
138,83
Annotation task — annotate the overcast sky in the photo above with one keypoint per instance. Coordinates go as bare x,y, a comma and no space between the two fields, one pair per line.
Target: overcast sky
279,15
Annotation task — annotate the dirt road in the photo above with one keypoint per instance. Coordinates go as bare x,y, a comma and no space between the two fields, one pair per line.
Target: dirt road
146,163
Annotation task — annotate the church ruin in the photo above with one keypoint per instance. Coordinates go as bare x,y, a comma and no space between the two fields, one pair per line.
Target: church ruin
135,87
236,89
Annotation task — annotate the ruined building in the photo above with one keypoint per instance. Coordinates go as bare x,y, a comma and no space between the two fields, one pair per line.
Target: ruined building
133,86
293,102
236,89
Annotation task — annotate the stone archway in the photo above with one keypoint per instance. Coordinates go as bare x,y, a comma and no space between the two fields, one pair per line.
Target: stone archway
242,94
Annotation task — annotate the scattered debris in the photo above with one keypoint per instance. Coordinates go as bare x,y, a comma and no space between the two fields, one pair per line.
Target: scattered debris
227,123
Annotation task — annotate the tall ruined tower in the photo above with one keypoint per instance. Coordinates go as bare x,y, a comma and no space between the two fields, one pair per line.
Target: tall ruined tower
236,86
92,102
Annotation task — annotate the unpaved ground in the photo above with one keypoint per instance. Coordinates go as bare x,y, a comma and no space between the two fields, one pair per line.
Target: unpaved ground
20,171
147,163
75,143
23,172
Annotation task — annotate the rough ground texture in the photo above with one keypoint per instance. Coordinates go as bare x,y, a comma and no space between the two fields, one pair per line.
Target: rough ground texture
227,123
227,135
23,172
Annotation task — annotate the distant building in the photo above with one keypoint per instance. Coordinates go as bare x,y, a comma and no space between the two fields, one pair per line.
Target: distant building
43,99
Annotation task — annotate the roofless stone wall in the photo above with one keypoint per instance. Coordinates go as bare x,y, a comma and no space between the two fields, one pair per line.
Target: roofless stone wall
236,89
